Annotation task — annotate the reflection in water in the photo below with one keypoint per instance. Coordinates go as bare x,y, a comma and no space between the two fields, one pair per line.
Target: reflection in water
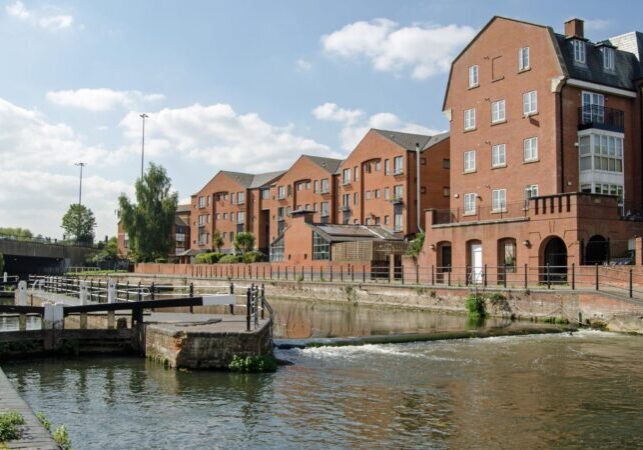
581,390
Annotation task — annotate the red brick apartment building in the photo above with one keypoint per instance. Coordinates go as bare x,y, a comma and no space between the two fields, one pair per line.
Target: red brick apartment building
546,155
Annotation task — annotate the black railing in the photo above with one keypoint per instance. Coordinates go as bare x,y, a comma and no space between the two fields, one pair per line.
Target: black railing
602,117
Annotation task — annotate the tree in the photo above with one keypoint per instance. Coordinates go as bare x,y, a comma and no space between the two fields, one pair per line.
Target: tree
108,252
19,233
244,242
79,223
217,241
149,221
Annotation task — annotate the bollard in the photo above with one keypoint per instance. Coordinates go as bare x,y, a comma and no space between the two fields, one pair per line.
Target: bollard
140,292
111,291
83,293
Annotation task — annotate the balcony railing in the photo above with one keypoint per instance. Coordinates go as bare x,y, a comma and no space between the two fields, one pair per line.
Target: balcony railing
601,117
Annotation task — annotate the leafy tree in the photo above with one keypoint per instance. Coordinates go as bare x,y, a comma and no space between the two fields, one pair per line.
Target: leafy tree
217,241
244,242
415,246
20,233
79,223
108,252
149,221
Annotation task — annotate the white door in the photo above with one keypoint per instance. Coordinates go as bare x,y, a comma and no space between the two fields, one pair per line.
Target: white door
476,263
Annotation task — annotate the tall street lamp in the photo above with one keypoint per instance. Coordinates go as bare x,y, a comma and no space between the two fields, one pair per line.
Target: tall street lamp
80,197
143,116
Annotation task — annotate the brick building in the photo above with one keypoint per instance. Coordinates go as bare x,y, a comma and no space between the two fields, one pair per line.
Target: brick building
376,183
545,149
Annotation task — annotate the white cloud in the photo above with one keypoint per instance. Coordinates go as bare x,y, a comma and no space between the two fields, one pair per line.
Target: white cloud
303,65
332,112
101,99
355,127
218,135
422,50
48,18
598,24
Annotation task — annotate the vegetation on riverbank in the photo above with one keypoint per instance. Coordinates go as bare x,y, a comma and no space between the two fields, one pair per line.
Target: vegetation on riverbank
253,364
60,434
11,426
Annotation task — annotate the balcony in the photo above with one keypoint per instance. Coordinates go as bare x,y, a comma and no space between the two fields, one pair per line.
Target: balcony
345,208
397,200
601,117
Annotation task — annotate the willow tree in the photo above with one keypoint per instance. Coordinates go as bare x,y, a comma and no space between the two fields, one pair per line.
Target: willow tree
148,222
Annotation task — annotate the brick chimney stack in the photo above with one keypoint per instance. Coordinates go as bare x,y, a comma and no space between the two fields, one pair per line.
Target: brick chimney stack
575,28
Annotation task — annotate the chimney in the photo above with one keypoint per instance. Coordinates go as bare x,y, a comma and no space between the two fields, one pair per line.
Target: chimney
574,28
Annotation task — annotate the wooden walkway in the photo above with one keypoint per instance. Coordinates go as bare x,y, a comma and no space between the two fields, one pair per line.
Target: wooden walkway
35,436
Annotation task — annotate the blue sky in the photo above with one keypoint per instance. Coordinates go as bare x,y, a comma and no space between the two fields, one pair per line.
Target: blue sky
243,85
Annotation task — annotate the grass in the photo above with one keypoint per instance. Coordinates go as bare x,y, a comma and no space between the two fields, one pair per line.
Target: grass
11,426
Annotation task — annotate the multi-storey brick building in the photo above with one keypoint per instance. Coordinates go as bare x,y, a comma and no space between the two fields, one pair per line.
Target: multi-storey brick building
376,183
546,151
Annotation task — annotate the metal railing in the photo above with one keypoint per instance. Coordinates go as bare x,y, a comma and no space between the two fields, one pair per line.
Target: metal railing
602,117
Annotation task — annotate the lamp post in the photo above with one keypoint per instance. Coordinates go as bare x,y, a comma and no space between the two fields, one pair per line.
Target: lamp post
417,187
143,116
80,198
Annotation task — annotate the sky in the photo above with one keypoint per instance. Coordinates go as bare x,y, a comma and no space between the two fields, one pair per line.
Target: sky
234,85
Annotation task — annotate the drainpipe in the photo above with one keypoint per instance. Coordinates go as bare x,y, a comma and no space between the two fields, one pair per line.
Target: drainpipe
417,187
562,136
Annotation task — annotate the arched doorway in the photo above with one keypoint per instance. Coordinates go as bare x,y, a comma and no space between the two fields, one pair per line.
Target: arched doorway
555,260
597,250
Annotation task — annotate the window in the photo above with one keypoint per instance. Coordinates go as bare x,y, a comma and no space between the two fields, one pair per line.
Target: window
232,198
531,191
201,202
498,111
398,165
281,192
346,176
499,200
202,221
241,198
398,225
308,185
446,163
316,186
398,191
470,119
346,200
377,166
470,161
473,76
523,58
610,189
593,107
367,195
608,58
386,193
386,220
324,186
529,103
530,149
265,194
321,247
601,152
376,193
225,216
579,51
470,203
277,250
324,209
241,217
446,191
387,167
499,155
355,198
301,186
281,213
355,173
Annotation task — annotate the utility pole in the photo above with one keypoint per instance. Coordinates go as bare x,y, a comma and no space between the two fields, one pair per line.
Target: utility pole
417,186
143,116
80,198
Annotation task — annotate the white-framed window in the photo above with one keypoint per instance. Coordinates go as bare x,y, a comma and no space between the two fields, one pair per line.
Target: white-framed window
387,167
498,111
470,161
241,217
499,155
473,76
523,58
346,176
469,119
601,152
530,149
376,193
608,58
356,173
593,107
232,197
355,198
579,51
399,222
324,209
281,192
377,166
324,185
499,200
367,195
398,191
241,198
201,202
529,103
346,200
398,165
531,191
470,203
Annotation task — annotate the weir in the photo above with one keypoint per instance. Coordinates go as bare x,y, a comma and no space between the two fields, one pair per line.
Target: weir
80,318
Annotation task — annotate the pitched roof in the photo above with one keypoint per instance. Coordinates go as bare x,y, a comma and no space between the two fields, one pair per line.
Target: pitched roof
261,179
409,140
626,66
328,164
351,232
244,179
183,208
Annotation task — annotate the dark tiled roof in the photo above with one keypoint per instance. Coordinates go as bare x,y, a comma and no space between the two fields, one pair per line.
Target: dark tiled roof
262,179
435,139
627,67
183,208
244,179
408,140
328,164
345,233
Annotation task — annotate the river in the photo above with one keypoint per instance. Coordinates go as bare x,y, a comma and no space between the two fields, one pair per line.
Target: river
546,391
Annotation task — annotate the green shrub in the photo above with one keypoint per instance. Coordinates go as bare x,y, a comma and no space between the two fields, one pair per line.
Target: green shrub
207,258
230,259
253,256
415,246
44,420
476,307
161,260
253,364
10,429
61,436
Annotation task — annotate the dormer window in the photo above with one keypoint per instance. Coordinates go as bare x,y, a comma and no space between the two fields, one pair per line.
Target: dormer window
579,51
608,58
473,76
